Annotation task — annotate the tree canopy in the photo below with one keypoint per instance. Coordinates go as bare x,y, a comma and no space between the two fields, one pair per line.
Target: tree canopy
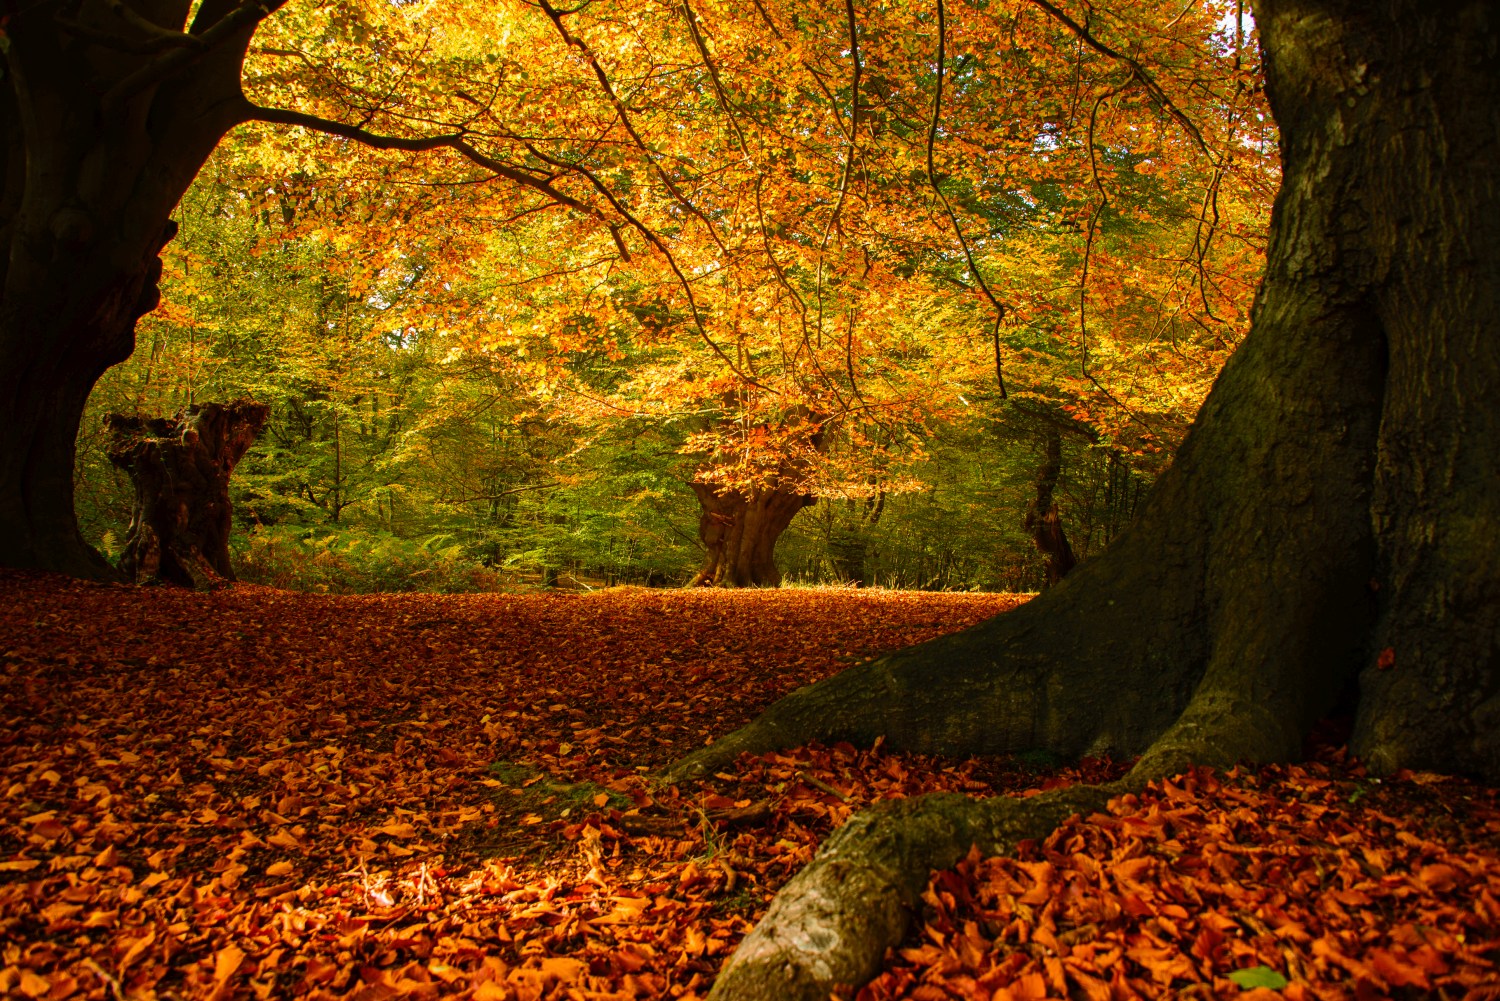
798,248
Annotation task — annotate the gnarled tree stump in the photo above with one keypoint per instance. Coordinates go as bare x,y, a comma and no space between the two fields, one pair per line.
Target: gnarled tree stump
739,534
180,466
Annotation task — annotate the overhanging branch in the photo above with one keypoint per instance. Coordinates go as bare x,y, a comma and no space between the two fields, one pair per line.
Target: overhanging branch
180,57
416,144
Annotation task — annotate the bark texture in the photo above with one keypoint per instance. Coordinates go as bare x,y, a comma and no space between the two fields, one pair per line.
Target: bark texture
1335,498
1426,125
180,467
739,534
1043,520
101,131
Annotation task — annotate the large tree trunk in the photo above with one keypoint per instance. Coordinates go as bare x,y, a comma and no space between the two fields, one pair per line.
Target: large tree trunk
1334,501
739,534
180,467
101,130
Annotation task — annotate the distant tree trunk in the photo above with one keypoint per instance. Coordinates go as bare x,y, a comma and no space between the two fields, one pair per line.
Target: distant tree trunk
180,466
739,533
1043,521
849,546
739,528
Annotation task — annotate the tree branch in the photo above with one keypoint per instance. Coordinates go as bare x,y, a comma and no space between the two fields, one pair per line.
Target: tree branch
713,74
149,28
623,112
659,244
417,144
179,58
1137,71
932,130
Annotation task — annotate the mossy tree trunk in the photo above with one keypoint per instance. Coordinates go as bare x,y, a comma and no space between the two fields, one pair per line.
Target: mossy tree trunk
180,468
1335,499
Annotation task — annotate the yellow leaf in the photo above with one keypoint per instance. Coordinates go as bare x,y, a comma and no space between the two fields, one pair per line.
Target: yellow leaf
284,839
226,961
137,947
278,868
562,968
32,985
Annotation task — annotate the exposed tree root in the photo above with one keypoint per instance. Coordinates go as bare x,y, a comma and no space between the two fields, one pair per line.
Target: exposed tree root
832,924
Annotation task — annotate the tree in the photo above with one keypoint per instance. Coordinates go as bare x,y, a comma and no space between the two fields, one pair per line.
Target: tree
1043,520
105,120
180,466
107,113
1324,535
742,519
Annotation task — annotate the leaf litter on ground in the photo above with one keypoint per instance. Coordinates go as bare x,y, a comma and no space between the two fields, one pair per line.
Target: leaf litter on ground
256,794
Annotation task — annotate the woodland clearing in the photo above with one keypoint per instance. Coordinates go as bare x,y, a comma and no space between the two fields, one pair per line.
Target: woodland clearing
255,793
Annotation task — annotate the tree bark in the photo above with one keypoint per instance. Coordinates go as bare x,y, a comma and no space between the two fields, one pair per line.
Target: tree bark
99,139
1043,520
180,467
739,534
1333,508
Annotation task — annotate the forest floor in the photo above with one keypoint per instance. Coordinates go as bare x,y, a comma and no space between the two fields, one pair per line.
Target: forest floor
258,794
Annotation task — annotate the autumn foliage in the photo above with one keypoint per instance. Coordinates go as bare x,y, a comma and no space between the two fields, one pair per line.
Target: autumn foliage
255,793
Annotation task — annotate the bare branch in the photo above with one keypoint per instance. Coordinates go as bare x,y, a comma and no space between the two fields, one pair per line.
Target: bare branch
553,485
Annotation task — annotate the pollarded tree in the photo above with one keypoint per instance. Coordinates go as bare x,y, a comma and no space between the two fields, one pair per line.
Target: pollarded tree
1329,520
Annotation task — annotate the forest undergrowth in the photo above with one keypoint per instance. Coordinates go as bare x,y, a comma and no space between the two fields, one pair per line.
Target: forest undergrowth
262,794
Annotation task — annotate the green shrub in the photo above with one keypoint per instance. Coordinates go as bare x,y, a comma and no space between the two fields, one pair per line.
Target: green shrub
359,561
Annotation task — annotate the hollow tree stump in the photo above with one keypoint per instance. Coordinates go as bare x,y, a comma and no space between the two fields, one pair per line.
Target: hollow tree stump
180,466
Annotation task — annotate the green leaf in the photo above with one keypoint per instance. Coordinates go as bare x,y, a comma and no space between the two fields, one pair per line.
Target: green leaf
1258,976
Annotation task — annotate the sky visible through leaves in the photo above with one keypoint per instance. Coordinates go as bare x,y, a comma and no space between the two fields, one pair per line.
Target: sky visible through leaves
258,794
